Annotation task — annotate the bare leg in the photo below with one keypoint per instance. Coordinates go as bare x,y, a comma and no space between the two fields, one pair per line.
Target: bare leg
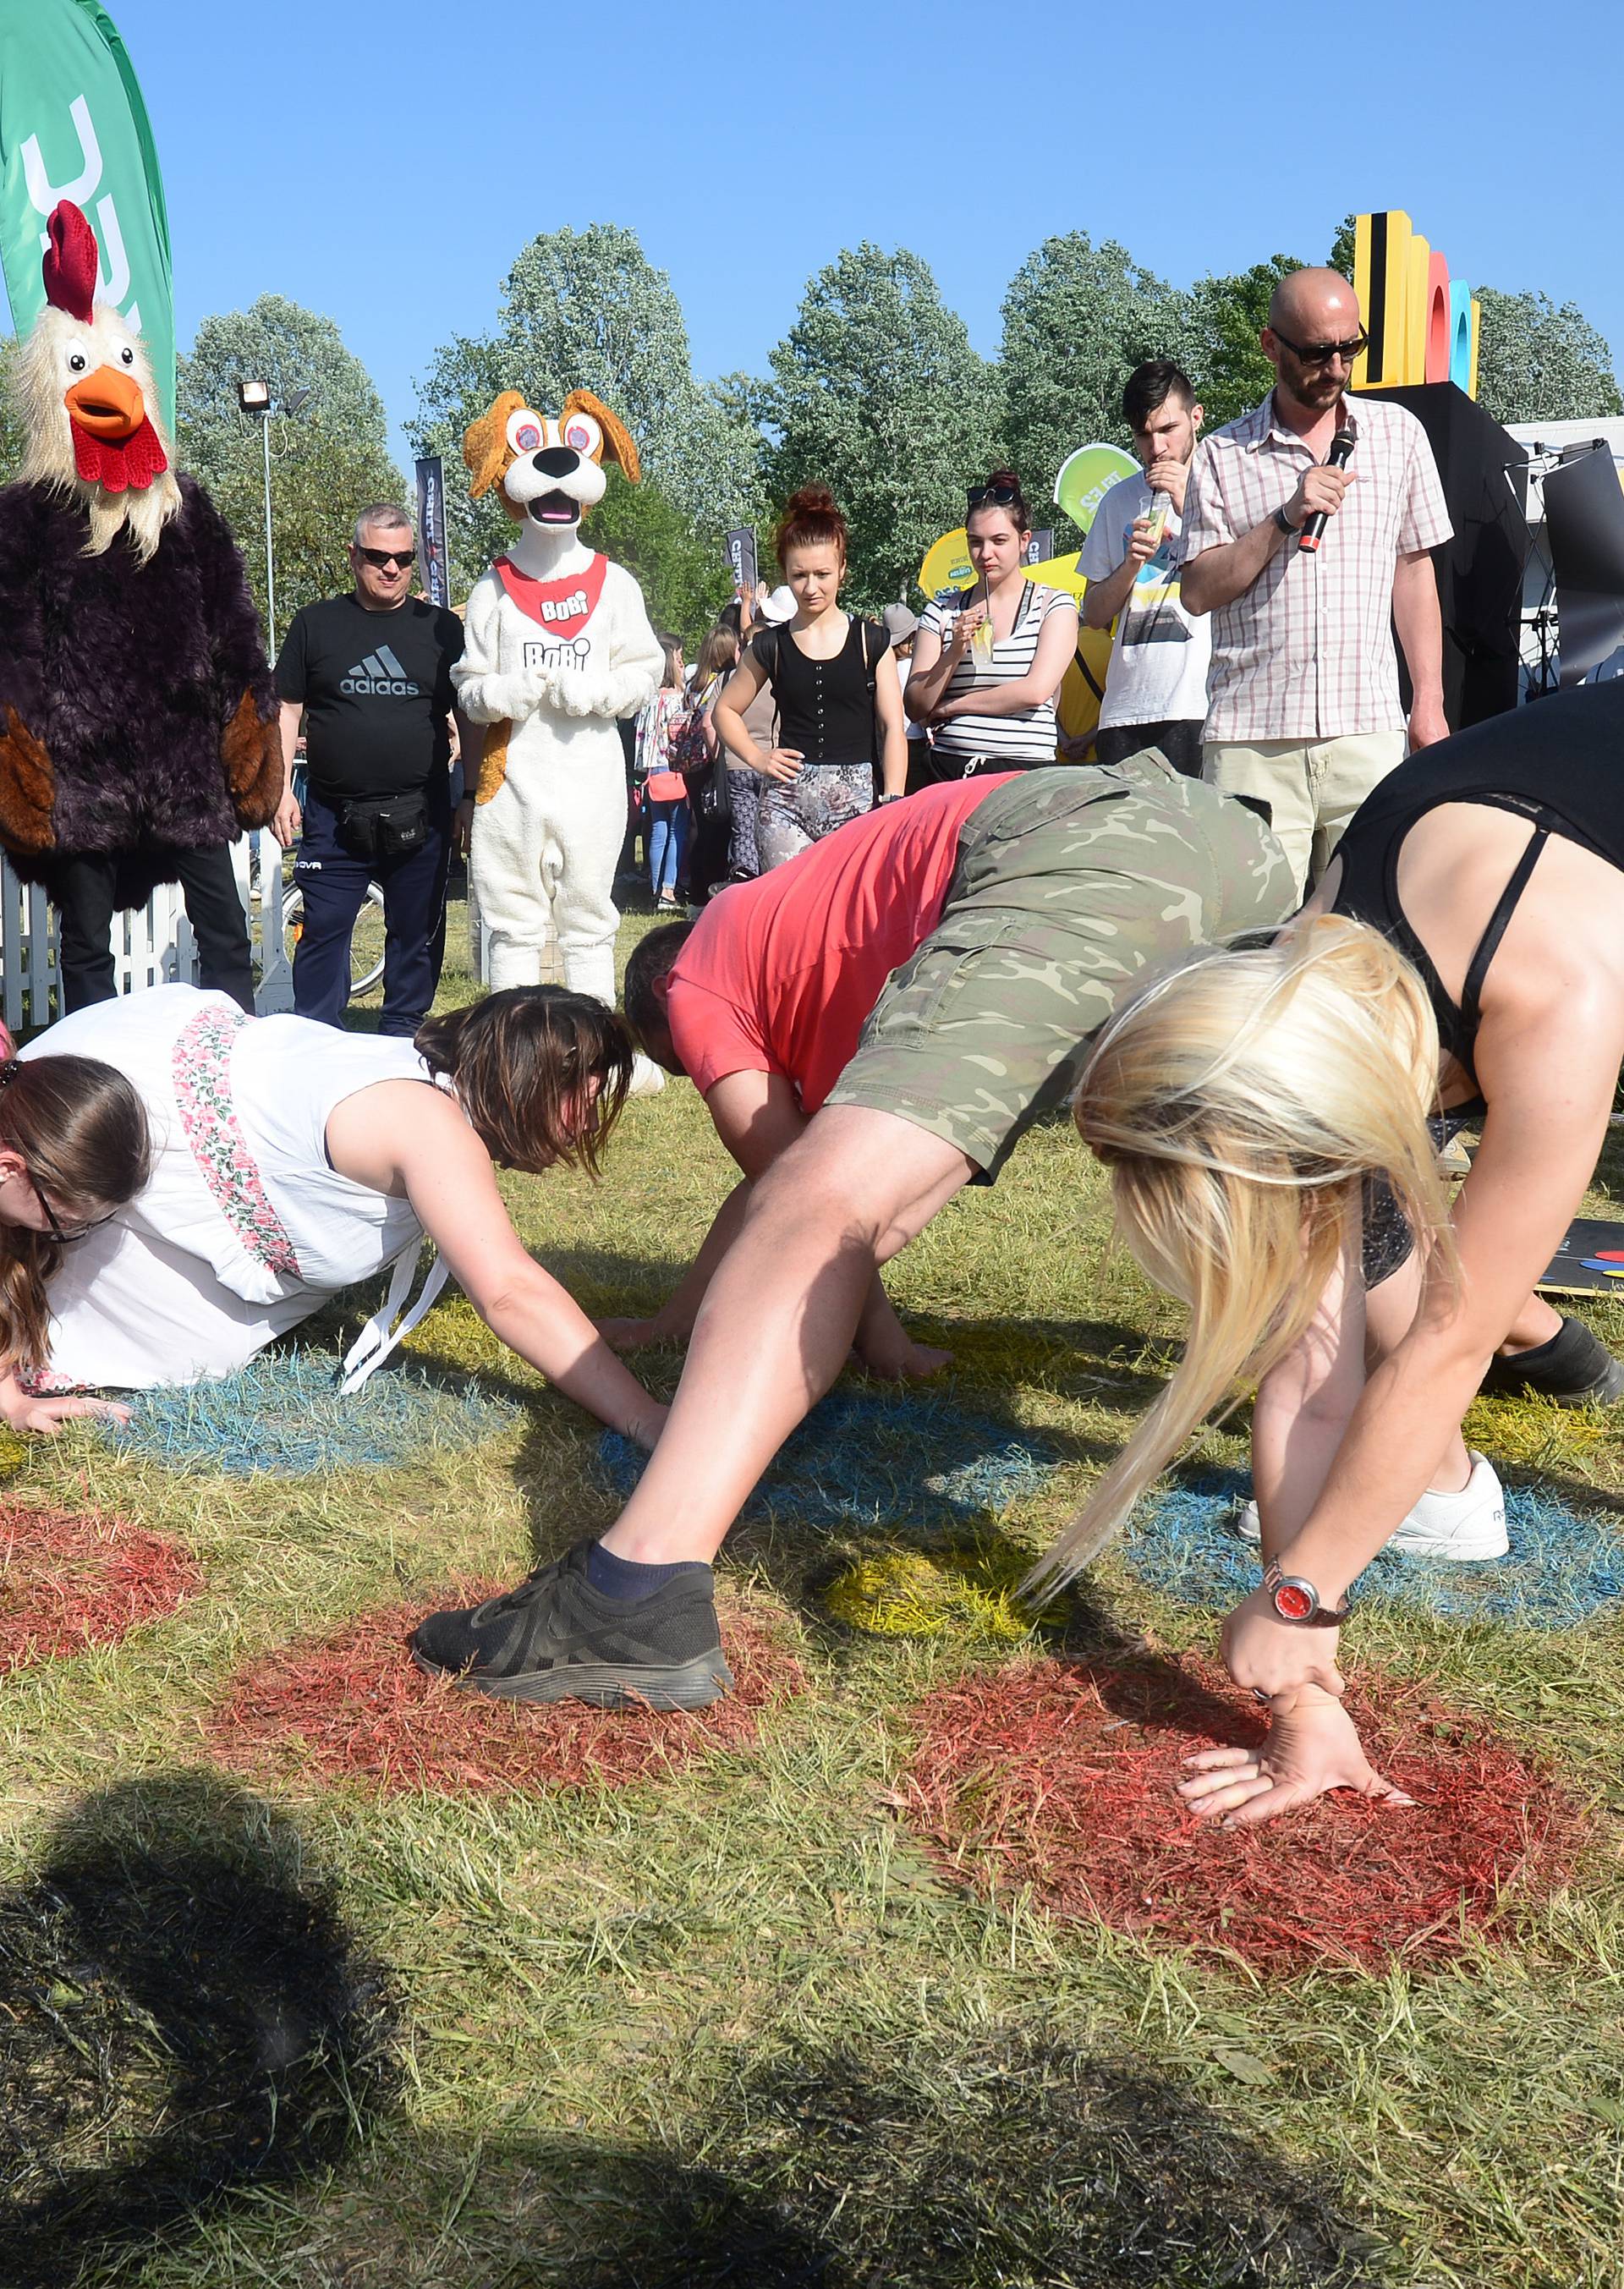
779,1317
1535,1324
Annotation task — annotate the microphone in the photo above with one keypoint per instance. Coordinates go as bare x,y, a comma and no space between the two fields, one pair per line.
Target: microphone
1314,531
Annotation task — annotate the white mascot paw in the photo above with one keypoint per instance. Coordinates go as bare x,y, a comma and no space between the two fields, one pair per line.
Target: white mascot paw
577,692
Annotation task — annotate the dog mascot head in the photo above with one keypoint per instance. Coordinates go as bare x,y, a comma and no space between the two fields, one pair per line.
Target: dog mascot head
88,403
549,473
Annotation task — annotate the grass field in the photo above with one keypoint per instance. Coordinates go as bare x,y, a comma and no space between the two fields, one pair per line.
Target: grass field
505,2000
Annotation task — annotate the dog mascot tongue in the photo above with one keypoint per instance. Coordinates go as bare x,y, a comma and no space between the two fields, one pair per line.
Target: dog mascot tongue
138,721
558,646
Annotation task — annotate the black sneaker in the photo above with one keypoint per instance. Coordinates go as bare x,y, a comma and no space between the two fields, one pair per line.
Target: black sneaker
1574,1369
557,1639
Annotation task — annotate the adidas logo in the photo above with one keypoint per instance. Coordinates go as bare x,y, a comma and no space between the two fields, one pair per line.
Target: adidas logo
380,676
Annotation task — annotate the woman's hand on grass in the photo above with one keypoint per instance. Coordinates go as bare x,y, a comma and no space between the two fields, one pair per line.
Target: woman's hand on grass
905,1361
1312,1747
1266,1654
45,1417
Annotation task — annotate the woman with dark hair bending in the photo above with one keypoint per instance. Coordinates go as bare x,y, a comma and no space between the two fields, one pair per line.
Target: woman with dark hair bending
74,1149
289,1160
836,686
987,664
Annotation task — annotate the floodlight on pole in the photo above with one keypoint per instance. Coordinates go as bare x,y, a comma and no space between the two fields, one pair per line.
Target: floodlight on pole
254,398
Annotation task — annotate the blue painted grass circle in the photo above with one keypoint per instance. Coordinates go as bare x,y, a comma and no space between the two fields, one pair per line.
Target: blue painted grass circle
908,1459
1563,1566
284,1414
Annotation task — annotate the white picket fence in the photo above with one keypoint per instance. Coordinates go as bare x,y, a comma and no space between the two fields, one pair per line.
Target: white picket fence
153,946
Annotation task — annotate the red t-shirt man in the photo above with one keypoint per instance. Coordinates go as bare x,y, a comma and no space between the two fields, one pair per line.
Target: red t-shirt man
779,975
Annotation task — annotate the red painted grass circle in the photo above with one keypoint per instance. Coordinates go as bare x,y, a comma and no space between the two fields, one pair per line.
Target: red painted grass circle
1060,1776
354,1707
70,1580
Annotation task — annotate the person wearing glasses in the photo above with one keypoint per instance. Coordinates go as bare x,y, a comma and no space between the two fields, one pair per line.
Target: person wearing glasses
370,673
180,1185
988,662
1303,706
74,1148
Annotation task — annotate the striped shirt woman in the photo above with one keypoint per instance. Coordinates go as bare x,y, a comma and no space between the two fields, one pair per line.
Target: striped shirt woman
987,665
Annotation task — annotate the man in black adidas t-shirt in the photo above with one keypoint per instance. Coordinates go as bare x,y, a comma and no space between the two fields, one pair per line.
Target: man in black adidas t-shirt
371,674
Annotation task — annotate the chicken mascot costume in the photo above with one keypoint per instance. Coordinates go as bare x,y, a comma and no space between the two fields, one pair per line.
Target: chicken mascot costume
138,721
559,645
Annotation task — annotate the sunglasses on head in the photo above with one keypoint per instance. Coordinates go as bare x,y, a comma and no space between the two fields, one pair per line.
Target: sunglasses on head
1322,352
405,558
59,1232
1000,496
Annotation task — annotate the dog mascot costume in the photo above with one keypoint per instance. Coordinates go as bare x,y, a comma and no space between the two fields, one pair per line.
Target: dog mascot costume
559,645
138,722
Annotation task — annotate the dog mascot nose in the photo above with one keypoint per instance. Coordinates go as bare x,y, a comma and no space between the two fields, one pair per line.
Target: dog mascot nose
556,461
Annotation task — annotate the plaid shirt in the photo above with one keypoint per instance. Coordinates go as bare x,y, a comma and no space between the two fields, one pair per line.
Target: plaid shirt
1306,653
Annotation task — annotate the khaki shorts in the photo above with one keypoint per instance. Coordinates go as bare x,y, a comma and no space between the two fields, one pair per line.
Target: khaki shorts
1071,884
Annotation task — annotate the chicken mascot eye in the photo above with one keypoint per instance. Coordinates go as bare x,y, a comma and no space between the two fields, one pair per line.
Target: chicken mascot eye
128,356
75,362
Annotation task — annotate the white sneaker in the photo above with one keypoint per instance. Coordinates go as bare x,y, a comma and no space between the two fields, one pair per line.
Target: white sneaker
648,1079
1470,1525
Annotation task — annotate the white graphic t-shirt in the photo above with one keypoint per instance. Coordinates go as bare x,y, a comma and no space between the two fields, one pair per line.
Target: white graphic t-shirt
1161,654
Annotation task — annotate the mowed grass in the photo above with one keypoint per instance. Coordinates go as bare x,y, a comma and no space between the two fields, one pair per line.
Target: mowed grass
737,2026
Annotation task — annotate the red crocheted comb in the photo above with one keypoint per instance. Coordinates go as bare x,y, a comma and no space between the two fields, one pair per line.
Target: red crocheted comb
70,260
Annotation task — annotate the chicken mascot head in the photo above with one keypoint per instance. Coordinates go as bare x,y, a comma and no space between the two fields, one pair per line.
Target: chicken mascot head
138,721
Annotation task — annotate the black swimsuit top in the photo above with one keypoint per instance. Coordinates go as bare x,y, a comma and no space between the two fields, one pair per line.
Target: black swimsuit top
1558,763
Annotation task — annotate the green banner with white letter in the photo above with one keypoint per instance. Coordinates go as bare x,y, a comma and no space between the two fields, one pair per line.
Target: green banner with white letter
73,126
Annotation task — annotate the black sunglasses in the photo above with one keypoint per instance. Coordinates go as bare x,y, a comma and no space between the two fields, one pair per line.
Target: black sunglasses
1322,352
63,1232
404,557
1000,496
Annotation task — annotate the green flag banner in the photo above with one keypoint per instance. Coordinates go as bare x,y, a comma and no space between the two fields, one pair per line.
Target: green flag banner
1086,476
73,126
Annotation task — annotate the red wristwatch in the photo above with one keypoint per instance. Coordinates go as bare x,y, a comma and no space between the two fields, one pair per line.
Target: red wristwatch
1297,1601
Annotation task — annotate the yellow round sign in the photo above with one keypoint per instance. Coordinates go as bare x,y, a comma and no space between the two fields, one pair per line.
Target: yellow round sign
947,564
1086,476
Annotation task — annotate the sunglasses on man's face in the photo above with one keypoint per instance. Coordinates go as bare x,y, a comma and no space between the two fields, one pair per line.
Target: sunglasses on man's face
59,1232
405,558
1322,352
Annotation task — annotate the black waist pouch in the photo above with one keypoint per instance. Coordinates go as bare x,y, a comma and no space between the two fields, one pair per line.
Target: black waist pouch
377,827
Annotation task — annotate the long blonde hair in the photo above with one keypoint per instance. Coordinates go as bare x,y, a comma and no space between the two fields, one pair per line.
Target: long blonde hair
1239,1102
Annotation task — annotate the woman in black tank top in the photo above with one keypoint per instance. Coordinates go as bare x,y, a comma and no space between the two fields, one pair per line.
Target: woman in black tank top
1247,1104
835,684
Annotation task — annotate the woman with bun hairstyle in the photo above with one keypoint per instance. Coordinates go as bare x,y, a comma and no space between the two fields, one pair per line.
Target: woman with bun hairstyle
73,1150
1269,1121
988,662
836,689
288,1161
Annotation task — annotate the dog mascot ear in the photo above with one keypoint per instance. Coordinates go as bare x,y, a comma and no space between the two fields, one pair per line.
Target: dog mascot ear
617,446
485,448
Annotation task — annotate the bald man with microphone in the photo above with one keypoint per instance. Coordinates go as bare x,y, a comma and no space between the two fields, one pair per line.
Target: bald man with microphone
1308,530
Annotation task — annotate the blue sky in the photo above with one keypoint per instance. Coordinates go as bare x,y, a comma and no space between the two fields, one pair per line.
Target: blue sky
385,165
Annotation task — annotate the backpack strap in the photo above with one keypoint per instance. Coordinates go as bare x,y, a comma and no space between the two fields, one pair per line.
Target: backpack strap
870,660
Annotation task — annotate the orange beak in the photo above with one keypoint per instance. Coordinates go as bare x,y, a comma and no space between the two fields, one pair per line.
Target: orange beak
107,403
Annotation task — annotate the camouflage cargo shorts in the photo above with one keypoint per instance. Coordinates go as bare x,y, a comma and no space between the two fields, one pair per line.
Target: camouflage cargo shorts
1071,883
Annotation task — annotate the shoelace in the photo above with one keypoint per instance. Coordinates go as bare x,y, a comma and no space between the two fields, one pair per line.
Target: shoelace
515,1600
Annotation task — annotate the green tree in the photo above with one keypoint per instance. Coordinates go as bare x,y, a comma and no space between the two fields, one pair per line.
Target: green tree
684,581
328,459
1227,314
877,393
1537,362
1341,257
1078,319
587,310
12,442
